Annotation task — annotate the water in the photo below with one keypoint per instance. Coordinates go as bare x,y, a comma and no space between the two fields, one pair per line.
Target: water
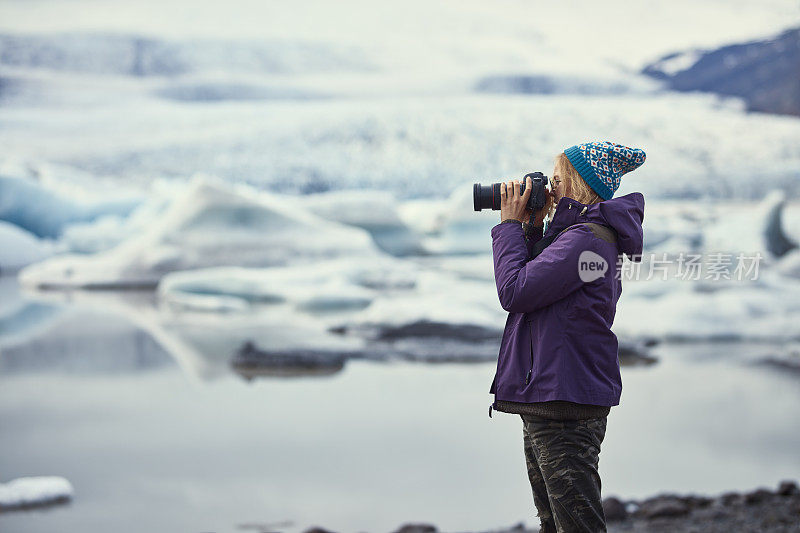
149,446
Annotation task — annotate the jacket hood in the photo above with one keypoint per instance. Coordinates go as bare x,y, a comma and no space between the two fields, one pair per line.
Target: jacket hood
625,214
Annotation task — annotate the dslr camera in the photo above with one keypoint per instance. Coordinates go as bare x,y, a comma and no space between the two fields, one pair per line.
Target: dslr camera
488,196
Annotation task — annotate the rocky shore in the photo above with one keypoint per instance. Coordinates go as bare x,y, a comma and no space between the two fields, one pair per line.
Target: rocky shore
761,510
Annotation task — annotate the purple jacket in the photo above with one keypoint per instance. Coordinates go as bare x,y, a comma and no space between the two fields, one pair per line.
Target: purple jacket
558,343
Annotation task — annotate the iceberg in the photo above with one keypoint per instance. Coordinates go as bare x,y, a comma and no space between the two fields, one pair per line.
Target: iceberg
375,211
45,213
341,284
789,265
210,224
753,229
458,228
764,309
27,492
19,248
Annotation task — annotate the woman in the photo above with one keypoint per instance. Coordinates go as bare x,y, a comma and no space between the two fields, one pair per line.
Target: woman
558,367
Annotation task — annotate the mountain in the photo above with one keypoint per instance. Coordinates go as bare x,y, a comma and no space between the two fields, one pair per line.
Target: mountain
765,73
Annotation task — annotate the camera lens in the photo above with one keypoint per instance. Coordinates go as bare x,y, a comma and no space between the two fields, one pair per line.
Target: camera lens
486,196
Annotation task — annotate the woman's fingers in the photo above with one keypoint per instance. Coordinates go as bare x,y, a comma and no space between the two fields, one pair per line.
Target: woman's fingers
528,187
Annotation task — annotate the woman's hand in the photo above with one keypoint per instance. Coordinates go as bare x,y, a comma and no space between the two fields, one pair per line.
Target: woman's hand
512,203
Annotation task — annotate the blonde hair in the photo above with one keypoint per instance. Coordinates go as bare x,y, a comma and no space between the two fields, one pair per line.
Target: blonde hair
576,186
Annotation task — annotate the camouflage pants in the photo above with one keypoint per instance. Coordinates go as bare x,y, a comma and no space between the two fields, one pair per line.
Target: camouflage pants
562,458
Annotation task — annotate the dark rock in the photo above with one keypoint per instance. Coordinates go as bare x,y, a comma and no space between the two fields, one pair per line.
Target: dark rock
251,361
649,342
663,506
614,509
778,243
417,528
780,363
788,488
316,529
635,353
731,498
709,514
427,328
698,502
757,496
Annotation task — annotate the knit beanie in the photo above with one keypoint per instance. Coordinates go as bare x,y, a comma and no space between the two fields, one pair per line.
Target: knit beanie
602,164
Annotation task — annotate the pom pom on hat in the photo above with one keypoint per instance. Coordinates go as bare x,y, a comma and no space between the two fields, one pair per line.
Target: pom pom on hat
602,164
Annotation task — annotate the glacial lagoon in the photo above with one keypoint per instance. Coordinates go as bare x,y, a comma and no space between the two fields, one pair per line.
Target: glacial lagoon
152,443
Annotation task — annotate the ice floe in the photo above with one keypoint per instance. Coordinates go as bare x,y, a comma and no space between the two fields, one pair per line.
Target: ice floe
28,492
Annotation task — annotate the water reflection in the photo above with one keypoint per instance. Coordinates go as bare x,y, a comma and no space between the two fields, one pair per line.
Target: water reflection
128,328
147,414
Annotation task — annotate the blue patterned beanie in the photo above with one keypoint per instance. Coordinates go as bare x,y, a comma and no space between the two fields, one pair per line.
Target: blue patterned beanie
602,164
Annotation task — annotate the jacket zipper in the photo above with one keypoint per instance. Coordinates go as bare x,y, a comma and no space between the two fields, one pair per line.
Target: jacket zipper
527,377
491,405
530,370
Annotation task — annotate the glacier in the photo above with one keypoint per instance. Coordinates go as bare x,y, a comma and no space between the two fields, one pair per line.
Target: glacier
322,168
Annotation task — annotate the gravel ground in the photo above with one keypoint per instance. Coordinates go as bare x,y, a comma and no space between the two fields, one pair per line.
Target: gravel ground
761,511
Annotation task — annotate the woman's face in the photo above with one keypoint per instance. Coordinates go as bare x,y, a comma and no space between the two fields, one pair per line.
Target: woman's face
558,186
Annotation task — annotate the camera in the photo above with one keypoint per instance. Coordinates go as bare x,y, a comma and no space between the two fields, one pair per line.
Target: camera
488,196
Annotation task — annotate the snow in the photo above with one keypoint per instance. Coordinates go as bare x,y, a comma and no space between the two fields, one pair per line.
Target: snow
35,491
679,62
